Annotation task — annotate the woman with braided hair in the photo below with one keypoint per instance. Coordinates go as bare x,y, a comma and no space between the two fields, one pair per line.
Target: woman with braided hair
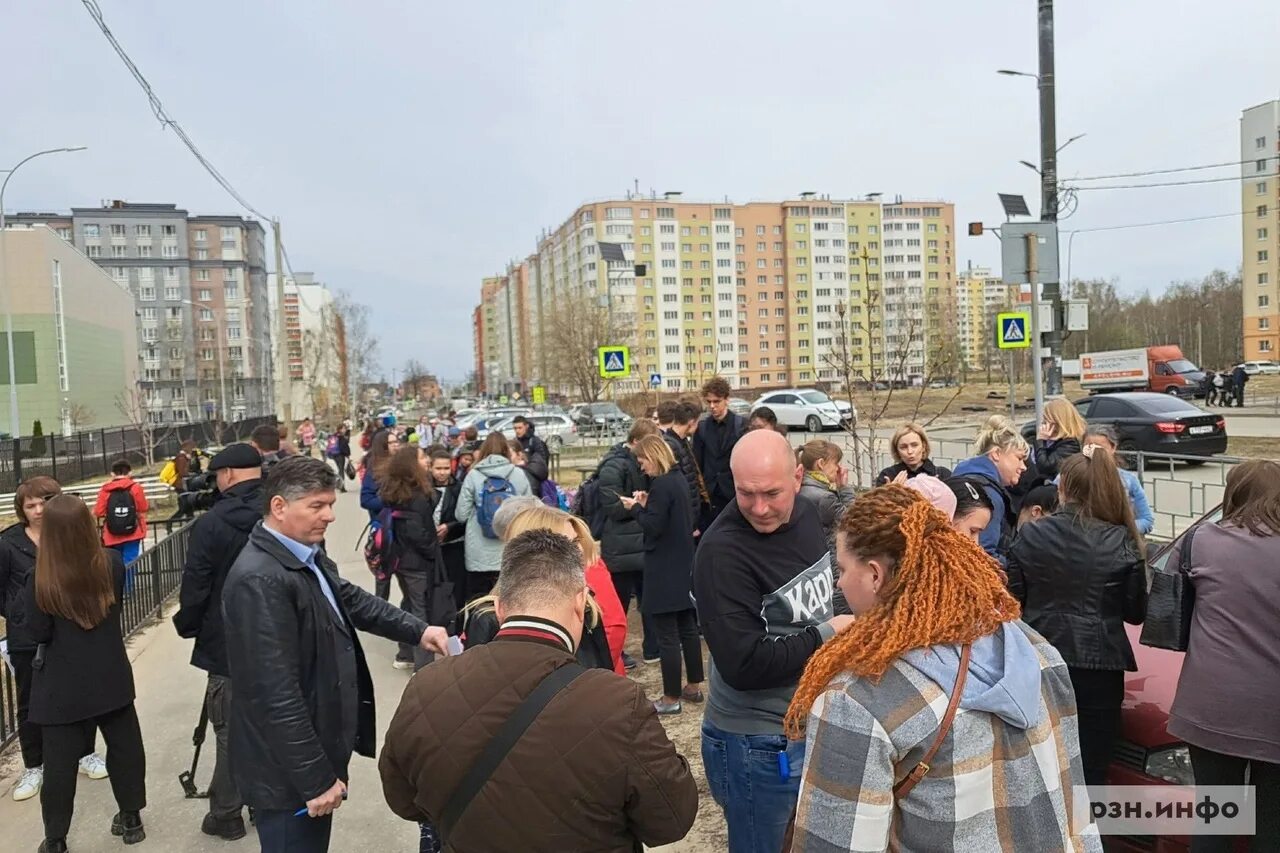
937,721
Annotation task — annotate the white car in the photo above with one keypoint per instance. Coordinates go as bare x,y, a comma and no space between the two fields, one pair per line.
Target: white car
807,408
1266,368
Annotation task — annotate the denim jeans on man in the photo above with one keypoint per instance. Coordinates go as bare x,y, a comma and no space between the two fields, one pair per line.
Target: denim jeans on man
282,832
746,778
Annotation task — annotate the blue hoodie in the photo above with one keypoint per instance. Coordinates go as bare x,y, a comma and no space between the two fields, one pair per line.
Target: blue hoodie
991,536
1004,675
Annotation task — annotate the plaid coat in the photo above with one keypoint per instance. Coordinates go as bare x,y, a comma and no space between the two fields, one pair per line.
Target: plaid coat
992,785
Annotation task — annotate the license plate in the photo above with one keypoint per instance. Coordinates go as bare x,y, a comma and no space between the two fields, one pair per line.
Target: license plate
1200,430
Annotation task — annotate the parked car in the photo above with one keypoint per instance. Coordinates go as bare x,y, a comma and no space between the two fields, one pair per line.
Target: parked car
1266,368
739,406
1145,753
558,431
1153,423
601,417
808,408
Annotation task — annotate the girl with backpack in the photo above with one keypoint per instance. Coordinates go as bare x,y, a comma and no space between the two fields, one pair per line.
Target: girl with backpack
384,444
409,500
490,481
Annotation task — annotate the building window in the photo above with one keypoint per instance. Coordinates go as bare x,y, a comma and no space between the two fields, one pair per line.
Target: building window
144,251
1262,210
166,251
142,230
1262,255
1260,188
170,231
1264,323
1260,143
1264,346
122,251
91,232
1262,233
172,293
1264,301
1263,278
228,234
117,230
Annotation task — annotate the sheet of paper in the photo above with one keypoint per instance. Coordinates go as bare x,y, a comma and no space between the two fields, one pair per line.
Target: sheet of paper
454,646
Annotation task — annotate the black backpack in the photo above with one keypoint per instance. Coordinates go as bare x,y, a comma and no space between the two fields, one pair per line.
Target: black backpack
122,513
586,504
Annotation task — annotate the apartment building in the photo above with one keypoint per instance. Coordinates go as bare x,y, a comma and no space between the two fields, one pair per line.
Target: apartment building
75,351
1260,229
765,294
315,347
199,285
980,296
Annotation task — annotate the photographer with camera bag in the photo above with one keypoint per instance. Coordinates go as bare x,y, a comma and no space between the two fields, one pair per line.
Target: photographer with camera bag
217,537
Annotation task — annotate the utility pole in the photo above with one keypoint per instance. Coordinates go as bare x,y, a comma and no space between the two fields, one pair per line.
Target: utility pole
1048,205
284,390
1037,364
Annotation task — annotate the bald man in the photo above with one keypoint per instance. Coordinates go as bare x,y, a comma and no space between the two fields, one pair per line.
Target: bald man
763,582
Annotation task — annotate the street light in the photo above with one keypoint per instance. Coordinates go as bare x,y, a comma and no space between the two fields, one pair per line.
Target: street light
8,314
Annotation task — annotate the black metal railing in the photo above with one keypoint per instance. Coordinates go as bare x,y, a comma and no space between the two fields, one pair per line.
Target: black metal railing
151,580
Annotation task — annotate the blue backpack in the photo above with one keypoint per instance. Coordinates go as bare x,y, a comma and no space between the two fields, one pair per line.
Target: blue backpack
379,547
494,491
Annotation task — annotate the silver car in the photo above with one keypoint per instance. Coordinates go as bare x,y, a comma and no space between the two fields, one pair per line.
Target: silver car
558,431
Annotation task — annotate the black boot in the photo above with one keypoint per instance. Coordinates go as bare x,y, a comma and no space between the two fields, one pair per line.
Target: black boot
53,845
128,825
228,828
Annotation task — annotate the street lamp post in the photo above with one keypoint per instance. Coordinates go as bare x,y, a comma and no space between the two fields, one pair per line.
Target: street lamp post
4,290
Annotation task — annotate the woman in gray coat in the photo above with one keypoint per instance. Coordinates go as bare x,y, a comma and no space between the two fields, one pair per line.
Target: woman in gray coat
826,486
491,479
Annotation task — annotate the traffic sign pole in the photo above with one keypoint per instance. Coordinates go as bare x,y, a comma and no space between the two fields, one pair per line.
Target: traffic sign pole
1037,365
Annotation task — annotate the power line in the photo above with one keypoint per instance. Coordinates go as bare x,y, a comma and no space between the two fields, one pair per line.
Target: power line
1171,183
1153,224
162,115
1174,170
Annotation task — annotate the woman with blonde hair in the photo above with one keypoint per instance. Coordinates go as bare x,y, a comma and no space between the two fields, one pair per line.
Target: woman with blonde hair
1059,437
936,695
910,449
663,513
998,466
605,631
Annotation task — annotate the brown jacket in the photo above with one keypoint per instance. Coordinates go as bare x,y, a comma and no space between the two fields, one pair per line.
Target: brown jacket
594,772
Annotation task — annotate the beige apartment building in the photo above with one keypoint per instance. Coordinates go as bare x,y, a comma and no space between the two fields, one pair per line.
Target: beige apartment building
765,294
1260,229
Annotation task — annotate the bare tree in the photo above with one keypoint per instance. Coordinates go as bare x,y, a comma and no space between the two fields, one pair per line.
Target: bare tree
79,415
413,372
321,366
132,404
363,358
578,327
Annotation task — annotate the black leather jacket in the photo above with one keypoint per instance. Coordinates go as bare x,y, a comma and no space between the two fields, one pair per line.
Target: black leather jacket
17,562
217,537
1079,581
303,697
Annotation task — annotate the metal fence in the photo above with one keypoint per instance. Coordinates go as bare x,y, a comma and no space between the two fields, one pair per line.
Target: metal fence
153,577
71,458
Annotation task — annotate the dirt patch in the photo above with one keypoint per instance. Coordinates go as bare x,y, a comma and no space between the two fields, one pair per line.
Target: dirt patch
709,833
1253,448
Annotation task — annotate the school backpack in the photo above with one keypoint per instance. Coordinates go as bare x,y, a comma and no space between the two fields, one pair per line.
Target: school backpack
550,493
169,474
332,448
379,546
586,505
492,494
122,513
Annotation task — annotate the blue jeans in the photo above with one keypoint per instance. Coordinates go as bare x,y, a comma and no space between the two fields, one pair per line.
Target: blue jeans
281,832
745,775
130,551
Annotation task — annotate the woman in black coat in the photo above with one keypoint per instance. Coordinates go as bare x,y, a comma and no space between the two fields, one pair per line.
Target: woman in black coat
83,680
1080,575
451,532
407,492
910,449
663,513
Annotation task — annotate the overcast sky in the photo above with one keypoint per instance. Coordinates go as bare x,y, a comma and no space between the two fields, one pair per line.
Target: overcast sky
411,148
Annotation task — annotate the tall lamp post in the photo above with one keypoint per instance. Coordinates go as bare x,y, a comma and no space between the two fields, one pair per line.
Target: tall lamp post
4,290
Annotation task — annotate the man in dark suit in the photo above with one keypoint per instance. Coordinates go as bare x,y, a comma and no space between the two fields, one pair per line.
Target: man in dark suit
713,444
303,698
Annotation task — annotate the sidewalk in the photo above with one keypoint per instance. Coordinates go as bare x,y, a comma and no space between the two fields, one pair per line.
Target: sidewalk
170,691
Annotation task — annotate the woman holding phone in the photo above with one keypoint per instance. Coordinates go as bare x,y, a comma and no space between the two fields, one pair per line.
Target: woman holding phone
83,680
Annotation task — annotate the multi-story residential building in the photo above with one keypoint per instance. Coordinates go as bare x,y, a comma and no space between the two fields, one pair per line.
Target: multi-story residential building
75,349
765,294
315,347
1260,230
489,378
199,284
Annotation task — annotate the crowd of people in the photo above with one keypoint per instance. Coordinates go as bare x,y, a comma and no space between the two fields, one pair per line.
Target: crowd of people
866,660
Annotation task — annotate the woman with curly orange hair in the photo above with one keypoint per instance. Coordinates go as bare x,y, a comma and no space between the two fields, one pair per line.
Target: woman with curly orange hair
937,721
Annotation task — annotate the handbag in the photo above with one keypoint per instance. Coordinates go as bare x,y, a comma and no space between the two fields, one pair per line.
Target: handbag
501,743
442,607
903,787
1170,603
351,470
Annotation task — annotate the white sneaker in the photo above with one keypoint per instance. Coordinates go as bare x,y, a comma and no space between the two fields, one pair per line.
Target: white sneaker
30,783
93,766
402,664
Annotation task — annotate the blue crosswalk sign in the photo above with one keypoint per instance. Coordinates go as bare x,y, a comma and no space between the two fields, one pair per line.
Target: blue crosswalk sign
655,379
615,362
1011,330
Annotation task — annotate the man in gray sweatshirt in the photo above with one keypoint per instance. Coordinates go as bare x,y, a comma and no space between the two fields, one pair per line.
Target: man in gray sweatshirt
762,579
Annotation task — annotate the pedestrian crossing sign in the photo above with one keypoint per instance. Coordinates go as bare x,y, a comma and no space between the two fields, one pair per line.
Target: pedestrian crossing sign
1012,330
615,362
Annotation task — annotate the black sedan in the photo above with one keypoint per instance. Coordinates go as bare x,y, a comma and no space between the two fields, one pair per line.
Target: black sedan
1153,423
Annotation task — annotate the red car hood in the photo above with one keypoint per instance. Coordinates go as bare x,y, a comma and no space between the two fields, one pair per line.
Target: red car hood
1148,694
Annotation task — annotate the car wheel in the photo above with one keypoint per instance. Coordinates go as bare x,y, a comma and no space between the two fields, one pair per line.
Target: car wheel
813,423
1172,389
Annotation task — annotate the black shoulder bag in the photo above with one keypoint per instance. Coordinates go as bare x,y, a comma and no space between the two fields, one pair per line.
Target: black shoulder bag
1170,603
501,743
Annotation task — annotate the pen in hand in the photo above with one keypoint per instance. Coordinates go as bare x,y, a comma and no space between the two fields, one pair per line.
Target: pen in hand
302,811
